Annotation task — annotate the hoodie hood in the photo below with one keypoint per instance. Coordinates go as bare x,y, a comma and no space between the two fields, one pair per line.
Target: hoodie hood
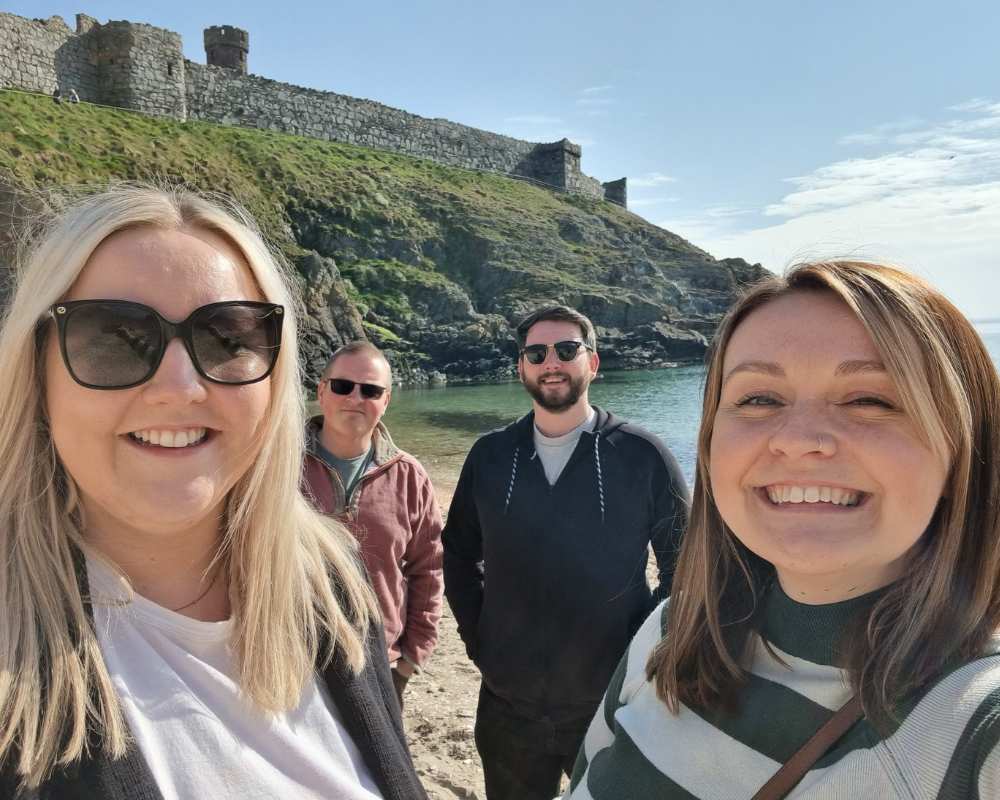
605,424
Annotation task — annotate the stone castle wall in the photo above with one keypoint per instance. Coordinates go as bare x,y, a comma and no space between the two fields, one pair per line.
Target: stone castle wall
216,94
38,56
141,67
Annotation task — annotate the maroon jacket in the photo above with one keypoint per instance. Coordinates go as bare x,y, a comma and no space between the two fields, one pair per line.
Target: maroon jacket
395,517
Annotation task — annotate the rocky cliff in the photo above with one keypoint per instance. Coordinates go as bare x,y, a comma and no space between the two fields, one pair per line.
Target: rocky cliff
432,263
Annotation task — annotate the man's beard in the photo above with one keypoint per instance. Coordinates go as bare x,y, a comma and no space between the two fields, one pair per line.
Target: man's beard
558,402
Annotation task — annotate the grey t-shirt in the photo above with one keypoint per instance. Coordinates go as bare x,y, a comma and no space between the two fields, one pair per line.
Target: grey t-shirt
554,451
350,470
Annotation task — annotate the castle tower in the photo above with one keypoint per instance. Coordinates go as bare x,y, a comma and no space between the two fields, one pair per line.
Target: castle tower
140,67
226,46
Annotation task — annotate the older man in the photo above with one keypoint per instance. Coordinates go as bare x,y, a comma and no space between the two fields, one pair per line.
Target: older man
354,471
545,557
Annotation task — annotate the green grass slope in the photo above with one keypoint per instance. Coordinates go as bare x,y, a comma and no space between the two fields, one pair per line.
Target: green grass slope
435,260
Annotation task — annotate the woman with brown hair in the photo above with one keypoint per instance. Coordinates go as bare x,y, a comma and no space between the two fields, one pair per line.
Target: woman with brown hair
839,583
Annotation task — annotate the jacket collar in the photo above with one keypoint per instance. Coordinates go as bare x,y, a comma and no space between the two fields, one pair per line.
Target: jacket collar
385,448
524,428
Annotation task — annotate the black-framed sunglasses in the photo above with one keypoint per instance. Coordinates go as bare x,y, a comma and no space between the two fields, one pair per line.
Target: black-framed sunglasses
118,344
369,391
565,351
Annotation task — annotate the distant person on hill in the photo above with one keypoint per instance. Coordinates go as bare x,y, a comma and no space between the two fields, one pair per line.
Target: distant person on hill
383,495
56,96
545,557
73,96
840,577
177,621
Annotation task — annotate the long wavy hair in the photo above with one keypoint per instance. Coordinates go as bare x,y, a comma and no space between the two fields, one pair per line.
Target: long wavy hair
946,605
298,594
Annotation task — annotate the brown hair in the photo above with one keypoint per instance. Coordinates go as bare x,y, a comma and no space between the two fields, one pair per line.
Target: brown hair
947,604
557,314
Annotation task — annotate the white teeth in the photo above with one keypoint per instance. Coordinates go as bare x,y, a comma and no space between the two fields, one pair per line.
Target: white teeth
166,438
779,494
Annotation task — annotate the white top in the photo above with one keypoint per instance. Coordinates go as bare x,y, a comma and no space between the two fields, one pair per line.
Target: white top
554,451
177,683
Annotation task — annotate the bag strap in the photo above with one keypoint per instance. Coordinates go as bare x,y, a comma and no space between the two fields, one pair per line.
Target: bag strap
793,770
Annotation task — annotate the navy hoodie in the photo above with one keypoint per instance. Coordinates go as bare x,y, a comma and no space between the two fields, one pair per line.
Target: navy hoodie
548,583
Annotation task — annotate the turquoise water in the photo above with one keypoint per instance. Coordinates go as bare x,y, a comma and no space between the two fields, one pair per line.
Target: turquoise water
439,425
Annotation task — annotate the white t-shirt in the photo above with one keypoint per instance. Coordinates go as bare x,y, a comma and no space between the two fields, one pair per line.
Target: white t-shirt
201,738
554,451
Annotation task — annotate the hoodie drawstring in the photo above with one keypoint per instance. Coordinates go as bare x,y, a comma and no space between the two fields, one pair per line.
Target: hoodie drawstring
600,480
513,474
597,464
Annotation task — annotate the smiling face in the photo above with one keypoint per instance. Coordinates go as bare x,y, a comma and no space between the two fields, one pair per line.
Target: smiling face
161,457
349,420
557,385
814,465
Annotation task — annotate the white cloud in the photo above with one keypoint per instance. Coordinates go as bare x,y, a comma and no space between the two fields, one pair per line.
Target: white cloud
881,133
650,179
607,87
724,212
973,105
930,201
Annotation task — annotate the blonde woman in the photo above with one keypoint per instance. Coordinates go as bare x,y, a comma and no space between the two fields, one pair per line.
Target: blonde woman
844,542
175,622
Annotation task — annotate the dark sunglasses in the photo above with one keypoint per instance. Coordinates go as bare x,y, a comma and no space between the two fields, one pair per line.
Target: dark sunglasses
566,351
117,344
369,391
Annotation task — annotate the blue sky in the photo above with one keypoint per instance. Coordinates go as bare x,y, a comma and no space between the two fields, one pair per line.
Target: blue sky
774,131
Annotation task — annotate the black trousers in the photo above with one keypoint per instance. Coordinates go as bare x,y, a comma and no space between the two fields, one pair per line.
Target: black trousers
524,758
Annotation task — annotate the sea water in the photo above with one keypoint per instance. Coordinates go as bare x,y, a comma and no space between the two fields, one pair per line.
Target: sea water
439,425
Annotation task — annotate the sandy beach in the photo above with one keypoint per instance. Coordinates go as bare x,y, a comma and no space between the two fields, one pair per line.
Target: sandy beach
440,702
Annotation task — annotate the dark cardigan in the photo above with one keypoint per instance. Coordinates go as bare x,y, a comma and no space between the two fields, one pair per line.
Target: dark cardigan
366,702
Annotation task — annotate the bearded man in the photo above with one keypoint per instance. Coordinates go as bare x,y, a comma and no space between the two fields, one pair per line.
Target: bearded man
545,552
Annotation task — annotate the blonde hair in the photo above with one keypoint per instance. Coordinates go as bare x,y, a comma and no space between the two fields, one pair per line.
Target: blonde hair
947,604
297,590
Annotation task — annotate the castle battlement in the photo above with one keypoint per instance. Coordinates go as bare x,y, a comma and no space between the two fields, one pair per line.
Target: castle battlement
142,68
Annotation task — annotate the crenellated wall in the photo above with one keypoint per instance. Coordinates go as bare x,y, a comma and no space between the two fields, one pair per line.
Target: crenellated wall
220,95
39,55
141,67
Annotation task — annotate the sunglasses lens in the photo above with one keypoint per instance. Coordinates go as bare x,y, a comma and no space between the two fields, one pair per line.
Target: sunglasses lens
567,350
535,353
110,345
369,391
236,343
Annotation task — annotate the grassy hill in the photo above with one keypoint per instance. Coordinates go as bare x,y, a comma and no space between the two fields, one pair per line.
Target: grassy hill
431,262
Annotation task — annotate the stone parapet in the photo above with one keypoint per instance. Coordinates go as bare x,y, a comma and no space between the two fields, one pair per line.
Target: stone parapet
142,68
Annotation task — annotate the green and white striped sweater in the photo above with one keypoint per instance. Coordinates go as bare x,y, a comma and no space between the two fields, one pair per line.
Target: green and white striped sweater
946,746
